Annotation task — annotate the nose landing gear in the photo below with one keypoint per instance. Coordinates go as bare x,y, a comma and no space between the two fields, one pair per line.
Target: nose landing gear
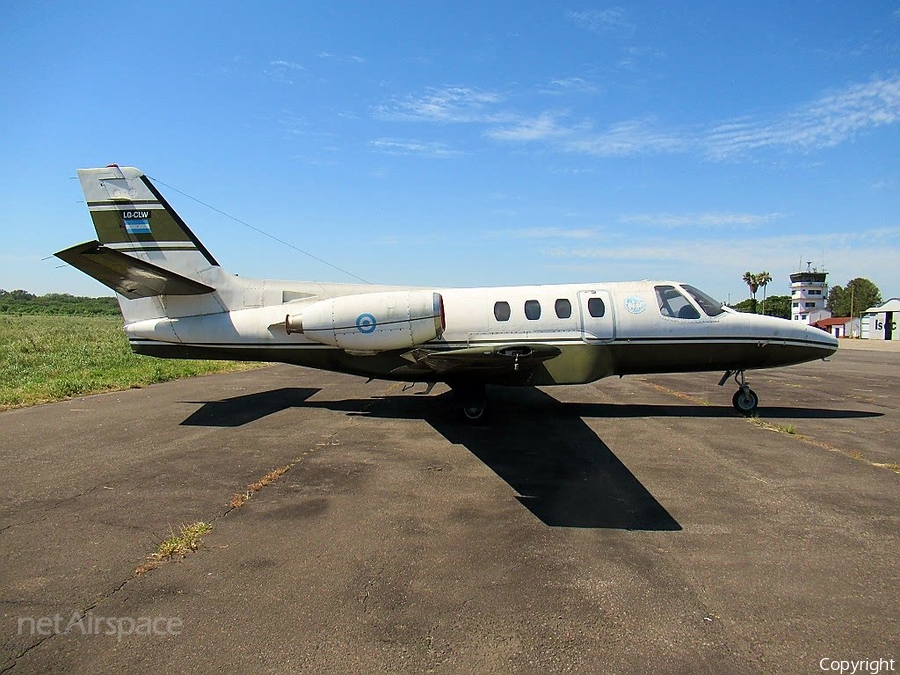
745,400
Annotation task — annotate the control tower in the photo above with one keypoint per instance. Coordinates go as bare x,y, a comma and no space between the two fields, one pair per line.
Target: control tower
808,292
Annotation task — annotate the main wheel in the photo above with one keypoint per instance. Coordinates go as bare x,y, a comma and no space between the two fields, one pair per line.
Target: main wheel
745,401
471,401
475,413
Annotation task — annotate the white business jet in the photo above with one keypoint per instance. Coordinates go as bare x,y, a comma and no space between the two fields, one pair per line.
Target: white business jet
178,302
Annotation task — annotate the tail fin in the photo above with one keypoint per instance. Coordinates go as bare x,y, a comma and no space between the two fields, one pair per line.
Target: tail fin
145,251
131,216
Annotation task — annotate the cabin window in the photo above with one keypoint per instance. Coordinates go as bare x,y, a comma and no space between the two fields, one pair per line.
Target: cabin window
563,309
673,304
708,304
596,307
532,310
501,311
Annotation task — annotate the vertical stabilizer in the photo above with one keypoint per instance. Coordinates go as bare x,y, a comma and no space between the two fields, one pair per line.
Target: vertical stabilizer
132,218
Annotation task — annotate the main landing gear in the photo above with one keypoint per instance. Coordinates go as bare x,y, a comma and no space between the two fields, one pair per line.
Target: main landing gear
472,402
745,400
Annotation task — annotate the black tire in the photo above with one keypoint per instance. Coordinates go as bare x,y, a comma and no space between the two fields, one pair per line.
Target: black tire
745,401
474,413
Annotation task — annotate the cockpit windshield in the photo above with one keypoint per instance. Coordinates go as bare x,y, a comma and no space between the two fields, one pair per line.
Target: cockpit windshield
673,304
708,304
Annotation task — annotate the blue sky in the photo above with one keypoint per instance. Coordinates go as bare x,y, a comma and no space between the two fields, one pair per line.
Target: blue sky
466,143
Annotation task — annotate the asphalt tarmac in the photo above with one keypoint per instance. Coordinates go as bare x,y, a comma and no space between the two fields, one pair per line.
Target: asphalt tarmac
628,526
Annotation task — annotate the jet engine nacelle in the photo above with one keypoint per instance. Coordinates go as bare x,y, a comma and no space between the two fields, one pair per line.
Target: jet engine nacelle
372,322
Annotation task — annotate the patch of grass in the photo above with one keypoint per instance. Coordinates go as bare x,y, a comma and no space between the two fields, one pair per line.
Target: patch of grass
185,541
241,498
176,545
48,358
781,429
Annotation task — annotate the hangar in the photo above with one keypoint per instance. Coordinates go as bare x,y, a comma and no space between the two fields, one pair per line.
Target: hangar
880,323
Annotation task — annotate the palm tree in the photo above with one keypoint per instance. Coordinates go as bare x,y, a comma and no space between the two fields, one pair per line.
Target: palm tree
763,279
753,284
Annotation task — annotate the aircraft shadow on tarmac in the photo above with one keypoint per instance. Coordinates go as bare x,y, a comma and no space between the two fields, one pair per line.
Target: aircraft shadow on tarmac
240,410
562,471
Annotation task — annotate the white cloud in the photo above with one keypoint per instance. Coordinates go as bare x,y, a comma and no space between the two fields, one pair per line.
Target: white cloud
391,146
764,252
883,184
822,123
717,264
568,85
283,71
354,58
286,64
631,137
447,104
703,220
292,123
544,233
537,128
603,21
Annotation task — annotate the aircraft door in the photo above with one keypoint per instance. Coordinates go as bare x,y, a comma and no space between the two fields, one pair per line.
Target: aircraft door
597,315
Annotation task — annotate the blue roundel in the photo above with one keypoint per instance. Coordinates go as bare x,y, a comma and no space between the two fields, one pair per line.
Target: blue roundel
366,323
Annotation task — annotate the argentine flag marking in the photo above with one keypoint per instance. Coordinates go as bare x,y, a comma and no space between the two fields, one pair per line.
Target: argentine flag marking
136,222
139,226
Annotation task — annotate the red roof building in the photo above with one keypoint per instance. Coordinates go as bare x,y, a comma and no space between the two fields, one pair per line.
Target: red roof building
839,326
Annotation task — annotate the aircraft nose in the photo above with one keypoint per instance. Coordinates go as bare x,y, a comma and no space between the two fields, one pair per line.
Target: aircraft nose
819,339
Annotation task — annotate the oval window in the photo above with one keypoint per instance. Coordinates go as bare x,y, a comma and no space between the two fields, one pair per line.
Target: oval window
563,309
501,311
532,310
596,307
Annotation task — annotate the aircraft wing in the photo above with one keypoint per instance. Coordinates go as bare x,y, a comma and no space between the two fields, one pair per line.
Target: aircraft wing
128,275
500,357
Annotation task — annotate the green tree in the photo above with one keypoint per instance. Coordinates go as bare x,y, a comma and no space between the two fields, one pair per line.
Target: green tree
20,296
763,279
776,305
23,302
853,299
753,284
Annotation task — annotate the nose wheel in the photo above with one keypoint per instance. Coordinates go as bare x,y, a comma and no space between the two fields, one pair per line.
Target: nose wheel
745,400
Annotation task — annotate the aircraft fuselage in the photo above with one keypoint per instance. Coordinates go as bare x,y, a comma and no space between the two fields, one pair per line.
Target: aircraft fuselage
599,329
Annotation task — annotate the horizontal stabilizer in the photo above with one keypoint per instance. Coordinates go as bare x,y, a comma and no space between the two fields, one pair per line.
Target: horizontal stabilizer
128,275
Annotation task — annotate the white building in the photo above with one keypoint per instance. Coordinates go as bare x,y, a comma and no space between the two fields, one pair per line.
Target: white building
881,323
808,295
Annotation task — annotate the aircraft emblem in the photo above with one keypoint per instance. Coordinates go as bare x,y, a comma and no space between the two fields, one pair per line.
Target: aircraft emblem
366,323
634,304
